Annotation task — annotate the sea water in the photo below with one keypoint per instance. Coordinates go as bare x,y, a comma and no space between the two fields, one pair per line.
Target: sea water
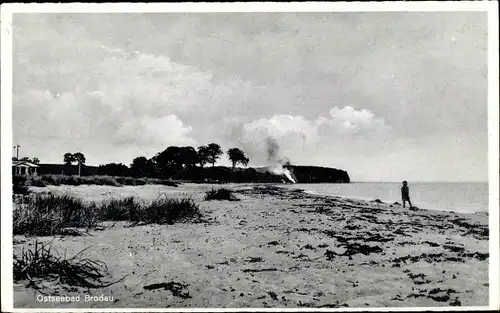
457,197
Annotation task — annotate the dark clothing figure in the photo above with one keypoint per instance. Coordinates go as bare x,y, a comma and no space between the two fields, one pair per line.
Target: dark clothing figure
405,194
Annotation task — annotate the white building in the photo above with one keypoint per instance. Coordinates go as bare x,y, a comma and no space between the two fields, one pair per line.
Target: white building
24,168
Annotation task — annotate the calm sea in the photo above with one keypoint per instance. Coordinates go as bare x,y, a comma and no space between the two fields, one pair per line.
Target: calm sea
458,197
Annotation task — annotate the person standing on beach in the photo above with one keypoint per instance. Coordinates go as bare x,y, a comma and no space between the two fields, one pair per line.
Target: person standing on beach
405,194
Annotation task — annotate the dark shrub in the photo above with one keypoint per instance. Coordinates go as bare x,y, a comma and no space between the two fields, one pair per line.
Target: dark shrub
220,194
36,181
120,209
51,179
163,182
168,211
19,185
101,180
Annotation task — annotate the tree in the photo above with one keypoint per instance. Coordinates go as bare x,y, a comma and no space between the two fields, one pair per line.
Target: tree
80,158
34,160
237,156
69,158
155,168
203,155
140,167
187,156
214,153
114,169
173,160
168,161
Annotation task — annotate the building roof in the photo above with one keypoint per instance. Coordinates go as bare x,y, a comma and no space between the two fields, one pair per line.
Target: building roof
23,163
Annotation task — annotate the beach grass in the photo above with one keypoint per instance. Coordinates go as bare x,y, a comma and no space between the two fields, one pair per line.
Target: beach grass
220,194
103,180
46,215
41,262
160,211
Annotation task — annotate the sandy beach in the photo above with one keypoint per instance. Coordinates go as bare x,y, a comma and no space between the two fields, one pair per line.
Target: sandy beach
277,248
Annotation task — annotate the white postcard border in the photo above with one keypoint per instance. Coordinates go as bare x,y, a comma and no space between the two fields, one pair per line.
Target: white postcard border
6,119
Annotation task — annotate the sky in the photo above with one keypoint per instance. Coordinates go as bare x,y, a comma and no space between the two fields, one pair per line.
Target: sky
386,96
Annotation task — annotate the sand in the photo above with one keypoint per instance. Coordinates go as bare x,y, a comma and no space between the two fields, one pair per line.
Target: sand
277,248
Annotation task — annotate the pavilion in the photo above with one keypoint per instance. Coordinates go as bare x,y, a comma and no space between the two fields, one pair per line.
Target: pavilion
24,168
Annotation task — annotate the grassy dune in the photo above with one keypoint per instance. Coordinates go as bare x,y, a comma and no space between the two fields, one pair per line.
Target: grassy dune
72,180
45,215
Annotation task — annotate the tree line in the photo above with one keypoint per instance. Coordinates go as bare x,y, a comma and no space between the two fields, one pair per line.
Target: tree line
188,163
166,163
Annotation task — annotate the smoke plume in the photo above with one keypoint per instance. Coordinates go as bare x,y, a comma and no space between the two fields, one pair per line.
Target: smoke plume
272,149
276,161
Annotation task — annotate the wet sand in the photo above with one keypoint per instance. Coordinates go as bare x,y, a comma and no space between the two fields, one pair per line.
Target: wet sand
279,248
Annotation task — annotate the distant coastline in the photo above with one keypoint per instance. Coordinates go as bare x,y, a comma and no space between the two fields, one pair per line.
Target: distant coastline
221,174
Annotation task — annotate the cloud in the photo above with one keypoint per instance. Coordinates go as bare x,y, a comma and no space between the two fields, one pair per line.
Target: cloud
105,98
98,91
296,135
348,120
167,130
127,99
139,81
284,125
121,85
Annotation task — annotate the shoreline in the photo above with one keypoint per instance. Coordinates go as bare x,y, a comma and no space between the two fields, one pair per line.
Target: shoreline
283,248
384,202
394,202
422,205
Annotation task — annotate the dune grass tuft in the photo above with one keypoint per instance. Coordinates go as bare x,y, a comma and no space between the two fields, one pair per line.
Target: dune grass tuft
126,209
170,210
159,211
39,262
220,194
45,215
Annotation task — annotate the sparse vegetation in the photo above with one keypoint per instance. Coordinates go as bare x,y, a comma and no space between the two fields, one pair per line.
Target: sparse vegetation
39,262
73,180
120,209
220,194
168,211
130,181
46,215
160,211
